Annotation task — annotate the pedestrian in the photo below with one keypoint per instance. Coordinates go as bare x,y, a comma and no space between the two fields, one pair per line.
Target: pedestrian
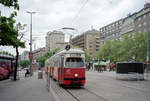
27,72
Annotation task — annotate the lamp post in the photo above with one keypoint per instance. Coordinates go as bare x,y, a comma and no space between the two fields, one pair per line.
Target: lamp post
148,57
30,53
69,28
148,47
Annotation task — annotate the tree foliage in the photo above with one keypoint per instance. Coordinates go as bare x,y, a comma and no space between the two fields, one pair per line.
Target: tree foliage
42,59
10,3
9,35
6,53
24,63
87,56
132,47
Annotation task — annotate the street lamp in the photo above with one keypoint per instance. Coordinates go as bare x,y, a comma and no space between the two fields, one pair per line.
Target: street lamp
30,53
148,47
69,28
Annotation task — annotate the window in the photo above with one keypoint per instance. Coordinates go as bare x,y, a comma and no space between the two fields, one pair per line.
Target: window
102,42
91,53
144,23
139,25
116,34
120,22
90,46
90,42
139,18
74,62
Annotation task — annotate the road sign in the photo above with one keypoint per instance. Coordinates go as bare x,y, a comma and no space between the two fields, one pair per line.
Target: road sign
30,55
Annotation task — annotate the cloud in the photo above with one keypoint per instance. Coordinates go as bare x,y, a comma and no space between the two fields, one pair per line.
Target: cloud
55,14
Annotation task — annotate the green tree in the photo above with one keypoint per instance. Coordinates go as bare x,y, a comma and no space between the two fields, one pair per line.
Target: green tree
6,53
132,47
116,53
42,59
139,49
87,56
24,63
9,35
10,3
105,50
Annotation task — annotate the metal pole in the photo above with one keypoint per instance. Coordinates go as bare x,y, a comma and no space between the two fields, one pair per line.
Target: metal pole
147,47
31,42
31,54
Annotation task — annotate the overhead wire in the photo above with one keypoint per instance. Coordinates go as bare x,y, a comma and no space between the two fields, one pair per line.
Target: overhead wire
79,11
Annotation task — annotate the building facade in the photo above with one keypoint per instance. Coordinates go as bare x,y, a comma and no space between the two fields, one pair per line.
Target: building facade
25,55
142,20
52,39
128,24
38,53
88,40
133,23
111,31
61,45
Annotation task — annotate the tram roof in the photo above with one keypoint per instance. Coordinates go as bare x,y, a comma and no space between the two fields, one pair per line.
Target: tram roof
72,50
3,56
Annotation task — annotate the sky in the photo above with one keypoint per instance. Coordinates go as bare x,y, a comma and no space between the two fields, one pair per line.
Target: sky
82,15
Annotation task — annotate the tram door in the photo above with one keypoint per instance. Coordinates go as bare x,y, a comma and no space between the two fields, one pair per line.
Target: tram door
62,69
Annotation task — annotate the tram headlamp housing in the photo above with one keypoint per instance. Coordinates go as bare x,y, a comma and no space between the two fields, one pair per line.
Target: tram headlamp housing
76,75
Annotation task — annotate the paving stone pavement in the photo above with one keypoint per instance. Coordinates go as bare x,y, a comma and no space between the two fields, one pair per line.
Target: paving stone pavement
25,89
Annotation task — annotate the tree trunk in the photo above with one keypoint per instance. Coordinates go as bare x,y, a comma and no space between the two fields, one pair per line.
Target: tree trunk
16,64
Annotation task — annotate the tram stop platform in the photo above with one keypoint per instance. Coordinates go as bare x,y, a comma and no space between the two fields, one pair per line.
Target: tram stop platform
25,89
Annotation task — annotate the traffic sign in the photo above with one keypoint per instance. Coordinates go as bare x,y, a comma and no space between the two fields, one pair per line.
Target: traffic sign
30,55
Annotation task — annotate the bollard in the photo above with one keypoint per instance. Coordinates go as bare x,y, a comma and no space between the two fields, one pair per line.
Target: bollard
40,75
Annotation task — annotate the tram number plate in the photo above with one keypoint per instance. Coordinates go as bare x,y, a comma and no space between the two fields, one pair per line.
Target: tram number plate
75,54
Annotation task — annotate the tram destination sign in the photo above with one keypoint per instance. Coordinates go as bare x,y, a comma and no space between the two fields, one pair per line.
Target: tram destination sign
75,54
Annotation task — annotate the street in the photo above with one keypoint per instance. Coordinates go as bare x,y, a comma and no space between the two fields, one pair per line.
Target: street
105,87
99,87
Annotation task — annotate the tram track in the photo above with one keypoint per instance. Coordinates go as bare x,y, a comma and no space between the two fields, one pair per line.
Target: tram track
74,93
83,94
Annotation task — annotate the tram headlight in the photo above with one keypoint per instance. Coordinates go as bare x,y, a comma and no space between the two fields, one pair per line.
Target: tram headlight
76,75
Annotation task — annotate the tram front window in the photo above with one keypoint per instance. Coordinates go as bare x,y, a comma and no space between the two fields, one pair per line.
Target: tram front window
74,62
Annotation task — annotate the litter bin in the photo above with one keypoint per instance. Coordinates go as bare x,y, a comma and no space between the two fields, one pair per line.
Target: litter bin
40,75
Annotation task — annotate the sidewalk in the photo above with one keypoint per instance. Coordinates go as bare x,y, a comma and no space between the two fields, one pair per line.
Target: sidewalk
25,89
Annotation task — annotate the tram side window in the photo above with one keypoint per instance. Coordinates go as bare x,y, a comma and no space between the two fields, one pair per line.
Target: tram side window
74,62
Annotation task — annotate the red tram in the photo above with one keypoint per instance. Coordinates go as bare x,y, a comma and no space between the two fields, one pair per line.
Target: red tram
67,67
6,69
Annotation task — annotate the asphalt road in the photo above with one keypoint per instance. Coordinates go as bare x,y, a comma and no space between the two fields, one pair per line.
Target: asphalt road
106,85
